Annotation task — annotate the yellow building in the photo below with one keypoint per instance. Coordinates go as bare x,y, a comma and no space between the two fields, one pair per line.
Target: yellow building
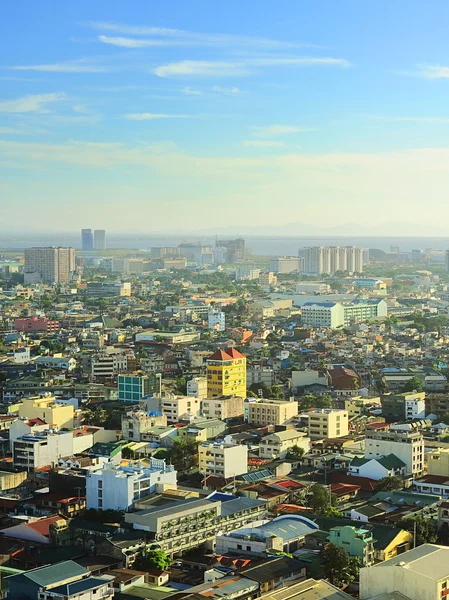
325,423
226,374
44,408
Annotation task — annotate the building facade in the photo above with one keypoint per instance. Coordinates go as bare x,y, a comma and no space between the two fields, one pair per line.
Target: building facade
226,374
327,423
271,412
408,446
50,265
222,460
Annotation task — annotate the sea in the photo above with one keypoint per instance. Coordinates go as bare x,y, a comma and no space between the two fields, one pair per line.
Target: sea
263,245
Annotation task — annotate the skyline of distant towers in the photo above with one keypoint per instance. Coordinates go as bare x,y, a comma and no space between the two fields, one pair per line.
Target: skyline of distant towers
95,240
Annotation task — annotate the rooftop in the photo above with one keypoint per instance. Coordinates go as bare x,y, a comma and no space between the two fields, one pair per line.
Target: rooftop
429,560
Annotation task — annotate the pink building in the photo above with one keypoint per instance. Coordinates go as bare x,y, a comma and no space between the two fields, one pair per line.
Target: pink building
36,324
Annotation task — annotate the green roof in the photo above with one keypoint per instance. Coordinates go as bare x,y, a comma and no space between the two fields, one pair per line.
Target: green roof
391,462
402,498
45,576
146,590
358,461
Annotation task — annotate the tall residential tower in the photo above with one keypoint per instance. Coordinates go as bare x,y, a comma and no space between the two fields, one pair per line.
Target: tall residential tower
51,265
226,374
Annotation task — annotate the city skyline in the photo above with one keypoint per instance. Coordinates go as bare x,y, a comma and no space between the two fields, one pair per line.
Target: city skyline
161,113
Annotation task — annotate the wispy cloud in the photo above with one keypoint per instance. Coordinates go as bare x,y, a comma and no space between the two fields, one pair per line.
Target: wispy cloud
264,144
425,71
188,91
434,120
240,67
278,130
226,91
163,36
154,116
36,103
76,66
11,131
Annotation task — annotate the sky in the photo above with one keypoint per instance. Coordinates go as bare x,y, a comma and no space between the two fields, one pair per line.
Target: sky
192,115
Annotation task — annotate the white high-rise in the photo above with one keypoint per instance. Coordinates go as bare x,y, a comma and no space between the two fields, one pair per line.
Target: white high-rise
325,260
51,265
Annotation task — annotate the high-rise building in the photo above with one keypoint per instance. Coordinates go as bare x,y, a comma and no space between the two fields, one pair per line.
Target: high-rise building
226,374
235,249
99,239
330,259
49,264
87,239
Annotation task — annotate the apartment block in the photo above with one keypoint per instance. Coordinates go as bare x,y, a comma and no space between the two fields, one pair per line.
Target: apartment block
176,408
47,410
322,314
329,259
327,423
407,446
267,279
118,487
286,264
278,444
197,387
42,449
222,460
224,408
36,324
132,388
271,412
50,265
226,374
136,423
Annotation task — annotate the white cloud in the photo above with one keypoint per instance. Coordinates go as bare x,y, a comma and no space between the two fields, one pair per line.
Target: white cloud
264,144
425,71
123,42
276,130
240,67
11,131
154,116
227,91
76,66
188,91
176,37
31,104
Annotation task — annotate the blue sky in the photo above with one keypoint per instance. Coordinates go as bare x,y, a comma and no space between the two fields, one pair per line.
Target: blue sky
175,114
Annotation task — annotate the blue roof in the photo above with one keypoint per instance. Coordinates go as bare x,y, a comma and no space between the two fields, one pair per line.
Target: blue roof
326,304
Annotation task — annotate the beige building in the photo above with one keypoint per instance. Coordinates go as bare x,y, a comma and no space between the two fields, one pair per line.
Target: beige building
44,408
136,423
438,462
271,412
10,481
222,460
408,446
266,280
178,408
278,444
227,407
419,574
327,423
51,265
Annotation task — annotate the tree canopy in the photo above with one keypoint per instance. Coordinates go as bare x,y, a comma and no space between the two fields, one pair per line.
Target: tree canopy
339,567
389,484
153,559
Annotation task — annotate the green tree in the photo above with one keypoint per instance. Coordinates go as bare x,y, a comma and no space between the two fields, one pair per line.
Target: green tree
153,559
97,417
296,452
443,534
184,452
276,392
389,484
339,567
319,499
425,529
413,385
128,453
355,383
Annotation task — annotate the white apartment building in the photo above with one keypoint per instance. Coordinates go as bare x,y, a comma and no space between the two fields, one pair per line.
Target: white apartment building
419,574
264,375
117,487
415,408
247,273
197,387
287,264
408,446
137,423
323,314
328,423
307,377
329,259
176,408
41,449
267,279
223,460
278,444
224,408
271,412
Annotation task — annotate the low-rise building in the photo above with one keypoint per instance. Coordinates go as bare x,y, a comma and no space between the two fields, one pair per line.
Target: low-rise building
118,487
271,412
46,409
137,423
42,449
277,445
407,446
356,541
377,468
222,459
132,388
327,423
225,408
197,387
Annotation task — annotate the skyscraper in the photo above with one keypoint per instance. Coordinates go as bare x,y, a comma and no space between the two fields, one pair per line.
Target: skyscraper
87,239
330,259
235,249
99,239
51,265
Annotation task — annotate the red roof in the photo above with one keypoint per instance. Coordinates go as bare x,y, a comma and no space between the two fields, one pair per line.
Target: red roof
340,489
234,353
291,508
220,355
365,483
43,526
289,484
36,421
